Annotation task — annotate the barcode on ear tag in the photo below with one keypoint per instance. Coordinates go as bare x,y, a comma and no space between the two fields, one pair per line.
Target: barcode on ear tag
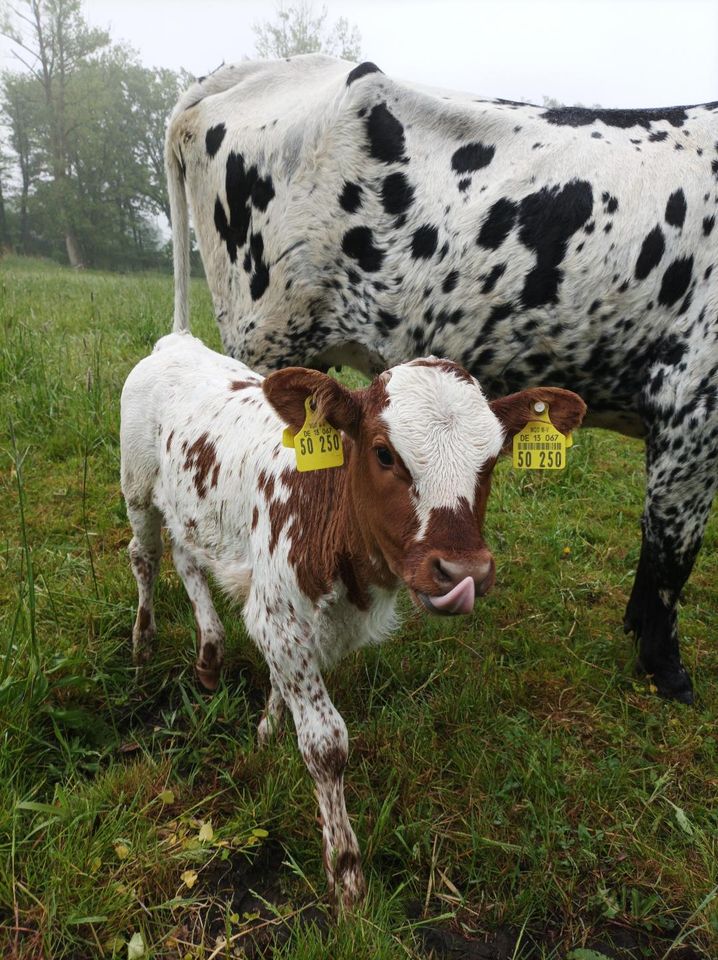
317,446
539,445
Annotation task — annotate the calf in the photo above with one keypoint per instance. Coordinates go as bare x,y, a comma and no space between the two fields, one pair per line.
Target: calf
345,217
317,557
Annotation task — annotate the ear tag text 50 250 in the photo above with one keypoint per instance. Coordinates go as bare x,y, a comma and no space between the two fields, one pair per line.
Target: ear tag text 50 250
539,445
317,445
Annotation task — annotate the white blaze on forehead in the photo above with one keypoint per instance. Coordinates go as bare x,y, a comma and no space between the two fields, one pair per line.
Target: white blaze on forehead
444,430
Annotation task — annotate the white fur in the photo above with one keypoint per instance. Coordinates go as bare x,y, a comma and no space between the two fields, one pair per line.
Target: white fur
444,430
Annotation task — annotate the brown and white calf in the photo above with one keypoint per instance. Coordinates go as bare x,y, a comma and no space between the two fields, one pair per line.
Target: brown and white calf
318,558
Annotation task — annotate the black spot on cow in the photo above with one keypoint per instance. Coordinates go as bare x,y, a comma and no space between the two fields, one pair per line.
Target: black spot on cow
262,193
610,203
676,208
583,116
594,306
714,167
361,71
358,243
499,312
423,243
350,197
214,137
670,350
708,224
259,280
657,136
397,194
243,186
493,277
597,135
386,135
652,250
450,281
464,184
222,226
675,281
387,321
498,224
547,219
472,156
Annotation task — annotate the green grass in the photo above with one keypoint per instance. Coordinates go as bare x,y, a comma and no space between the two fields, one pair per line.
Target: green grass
507,771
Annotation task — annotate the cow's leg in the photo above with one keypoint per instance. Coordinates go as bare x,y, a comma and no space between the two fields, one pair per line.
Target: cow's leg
210,632
272,716
681,454
145,552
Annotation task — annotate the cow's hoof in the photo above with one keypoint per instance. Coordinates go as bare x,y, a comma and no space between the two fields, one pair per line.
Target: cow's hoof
672,684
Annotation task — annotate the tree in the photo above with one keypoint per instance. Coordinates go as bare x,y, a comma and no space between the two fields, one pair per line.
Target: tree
51,39
26,116
299,29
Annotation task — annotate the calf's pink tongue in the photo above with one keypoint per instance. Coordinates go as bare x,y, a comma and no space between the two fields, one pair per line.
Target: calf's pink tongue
460,599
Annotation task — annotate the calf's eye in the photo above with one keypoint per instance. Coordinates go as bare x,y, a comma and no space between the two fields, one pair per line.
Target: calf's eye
384,456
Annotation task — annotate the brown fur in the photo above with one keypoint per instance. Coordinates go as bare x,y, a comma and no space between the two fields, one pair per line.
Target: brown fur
201,457
566,410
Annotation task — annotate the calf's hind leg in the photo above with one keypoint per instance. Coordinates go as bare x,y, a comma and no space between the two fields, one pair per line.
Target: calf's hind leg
210,632
682,467
145,552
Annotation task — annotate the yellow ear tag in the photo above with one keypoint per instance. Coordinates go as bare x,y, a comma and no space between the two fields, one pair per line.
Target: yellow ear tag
317,445
288,438
539,445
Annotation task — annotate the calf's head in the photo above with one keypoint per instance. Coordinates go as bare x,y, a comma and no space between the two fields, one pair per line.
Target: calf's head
422,441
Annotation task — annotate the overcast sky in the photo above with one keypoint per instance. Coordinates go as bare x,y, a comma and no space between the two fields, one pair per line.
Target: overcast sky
618,53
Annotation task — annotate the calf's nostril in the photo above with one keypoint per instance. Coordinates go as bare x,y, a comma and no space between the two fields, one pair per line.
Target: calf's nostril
442,573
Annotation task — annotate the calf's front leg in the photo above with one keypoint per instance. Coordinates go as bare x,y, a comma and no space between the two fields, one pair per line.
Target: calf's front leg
324,745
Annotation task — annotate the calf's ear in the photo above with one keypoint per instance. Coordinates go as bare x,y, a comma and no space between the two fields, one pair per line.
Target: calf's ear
287,391
566,410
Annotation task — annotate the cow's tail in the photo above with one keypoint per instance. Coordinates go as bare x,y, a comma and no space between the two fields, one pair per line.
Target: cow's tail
179,214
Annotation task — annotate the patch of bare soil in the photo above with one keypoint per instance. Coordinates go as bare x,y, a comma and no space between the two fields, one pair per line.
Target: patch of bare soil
250,892
254,892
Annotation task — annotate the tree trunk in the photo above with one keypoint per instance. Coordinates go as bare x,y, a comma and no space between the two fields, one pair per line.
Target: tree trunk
73,250
5,242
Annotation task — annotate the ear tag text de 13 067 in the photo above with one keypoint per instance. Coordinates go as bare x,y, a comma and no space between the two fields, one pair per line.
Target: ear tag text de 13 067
539,445
317,445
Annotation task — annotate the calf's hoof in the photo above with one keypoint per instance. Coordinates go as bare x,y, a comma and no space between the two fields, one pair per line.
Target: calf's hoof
672,682
207,676
142,644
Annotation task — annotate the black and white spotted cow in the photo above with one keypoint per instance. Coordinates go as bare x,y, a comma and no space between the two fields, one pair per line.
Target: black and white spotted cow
343,217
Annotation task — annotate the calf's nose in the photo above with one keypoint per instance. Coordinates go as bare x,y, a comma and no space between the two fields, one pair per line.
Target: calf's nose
456,584
481,570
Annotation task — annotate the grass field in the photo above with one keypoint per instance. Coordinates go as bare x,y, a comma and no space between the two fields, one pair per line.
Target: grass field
510,780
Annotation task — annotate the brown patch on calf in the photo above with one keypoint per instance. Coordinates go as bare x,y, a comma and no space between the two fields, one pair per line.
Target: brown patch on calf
241,384
144,618
255,518
168,445
202,457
